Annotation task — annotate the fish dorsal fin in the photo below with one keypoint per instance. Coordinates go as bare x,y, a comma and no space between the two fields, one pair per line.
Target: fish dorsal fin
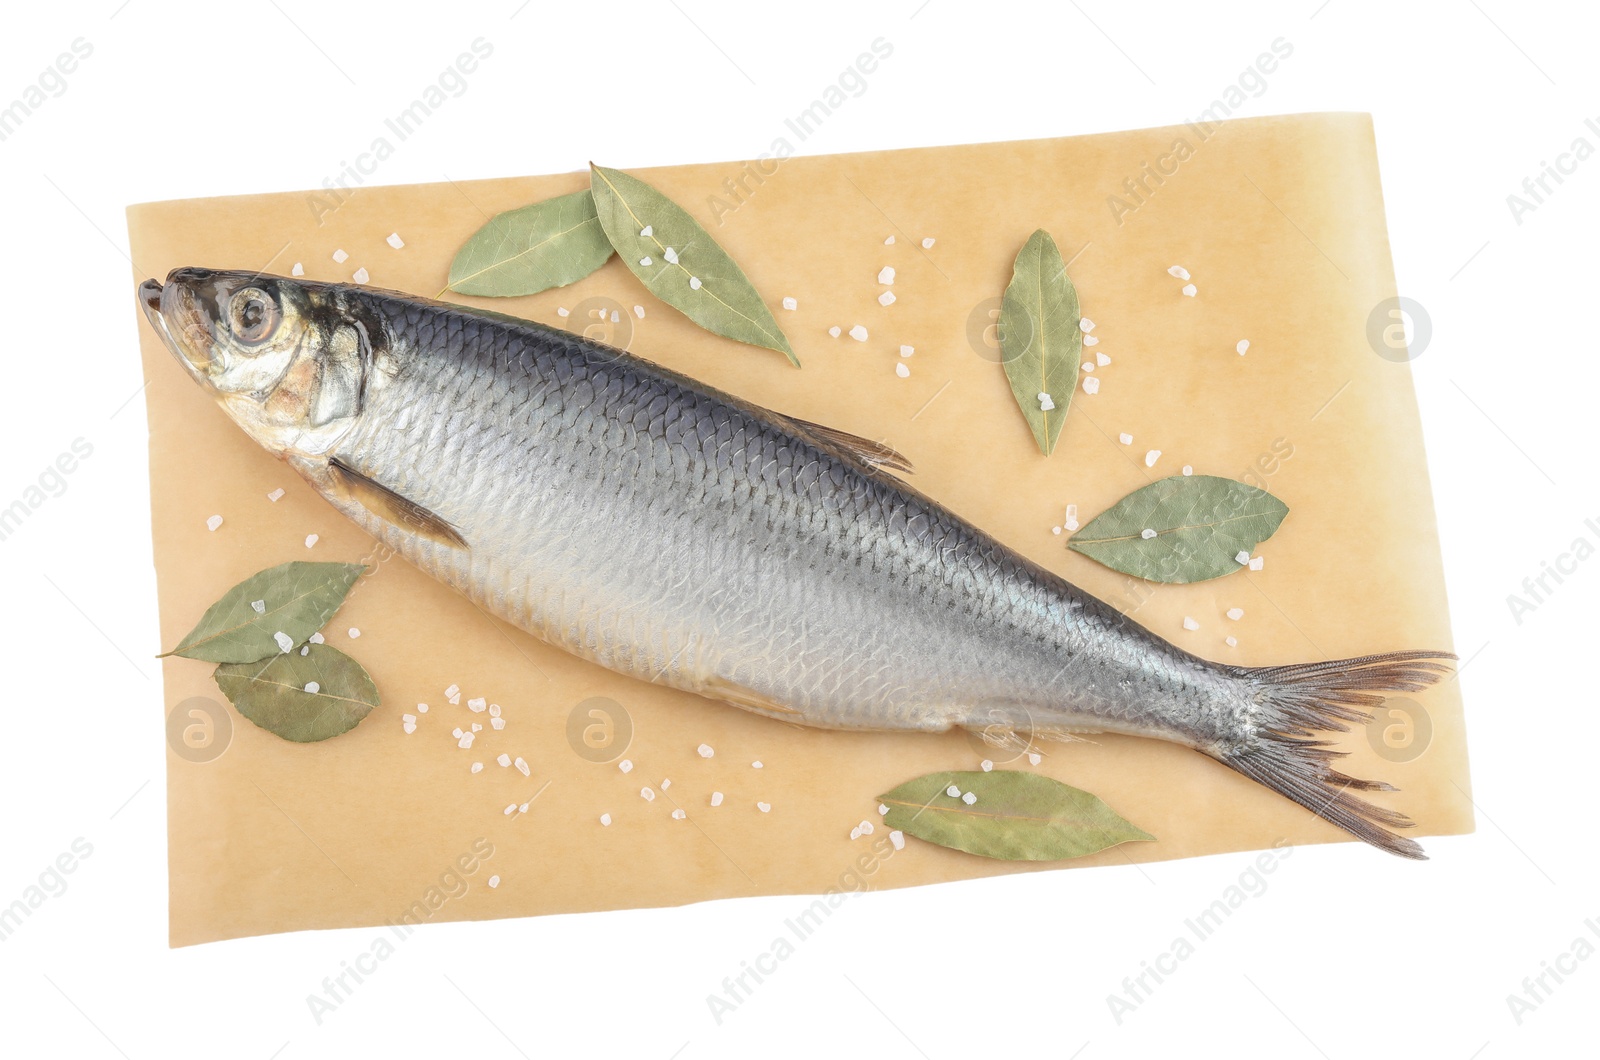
385,503
873,454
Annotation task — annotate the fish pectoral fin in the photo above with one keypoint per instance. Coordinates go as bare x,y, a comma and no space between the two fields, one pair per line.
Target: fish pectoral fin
386,504
744,698
873,454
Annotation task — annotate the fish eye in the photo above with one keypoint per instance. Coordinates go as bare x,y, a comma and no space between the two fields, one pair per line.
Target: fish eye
253,316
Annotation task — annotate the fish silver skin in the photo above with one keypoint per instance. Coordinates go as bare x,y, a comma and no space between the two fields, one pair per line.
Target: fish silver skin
666,530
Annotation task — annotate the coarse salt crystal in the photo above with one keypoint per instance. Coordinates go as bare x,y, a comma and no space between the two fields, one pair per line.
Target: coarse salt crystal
353,633
494,881
476,727
647,795
716,798
969,798
907,351
1090,340
927,244
858,333
705,750
1056,530
213,522
340,256
311,539
790,303
902,370
647,231
953,791
834,331
1085,325
497,723
1045,402
1244,344
465,741
678,815
1147,533
1178,271
453,690
305,649
1232,642
605,819
1257,562
410,718
284,642
1236,613
1070,525
694,283
409,727
886,274
886,298
756,764
477,767
764,807
616,317
1091,385
360,275
1072,513
522,766
1189,289
1125,438
275,494
1241,557
477,705
298,270
986,765
867,827
395,241
1033,758
456,732
494,710
504,760
898,838
638,311
316,638
883,810
562,311
626,765
889,242
1101,359
1188,469
1151,457
855,833
313,688
258,606
1088,366
646,262
511,809
1189,623
665,784
671,255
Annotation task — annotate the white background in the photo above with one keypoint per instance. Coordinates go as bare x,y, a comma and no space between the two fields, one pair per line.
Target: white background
1348,953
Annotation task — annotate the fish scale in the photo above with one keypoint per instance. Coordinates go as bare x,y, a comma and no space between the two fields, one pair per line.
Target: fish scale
666,530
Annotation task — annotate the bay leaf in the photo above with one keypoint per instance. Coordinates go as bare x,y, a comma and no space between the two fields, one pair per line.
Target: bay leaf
297,599
1040,344
273,693
724,301
532,249
1201,524
1018,816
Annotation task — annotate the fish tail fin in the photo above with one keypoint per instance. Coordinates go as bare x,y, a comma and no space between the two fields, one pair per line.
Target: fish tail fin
1301,700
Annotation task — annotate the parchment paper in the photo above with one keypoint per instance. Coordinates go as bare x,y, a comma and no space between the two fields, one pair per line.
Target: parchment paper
1280,222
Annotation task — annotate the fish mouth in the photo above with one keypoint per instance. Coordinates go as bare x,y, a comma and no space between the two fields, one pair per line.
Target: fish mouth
172,303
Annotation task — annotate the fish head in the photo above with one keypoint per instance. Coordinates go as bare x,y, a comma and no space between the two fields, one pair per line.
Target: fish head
286,360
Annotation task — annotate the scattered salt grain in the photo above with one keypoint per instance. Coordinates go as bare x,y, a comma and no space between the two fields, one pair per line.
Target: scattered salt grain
409,727
476,727
1241,557
562,311
1244,344
1125,438
1033,758
764,807
522,766
886,298
408,718
790,303
756,764
927,244
898,838
969,798
1189,289
1088,366
477,767
1236,613
313,688
284,642
678,815
855,833
465,741
1151,457
1178,271
523,808
1101,359
497,723
275,494
907,351
716,798
1189,623
494,881
452,692
1257,562
886,274
834,331
646,262
953,791
647,231
605,819
395,241
626,765
353,633
258,606
1086,325
694,283
986,765
457,733
339,256
858,333
494,710
638,311
1056,530
1232,642
316,638
305,649
504,760
1147,533
361,275
665,784
511,809
883,810
1045,402
213,522
671,255
298,270
705,750
867,827
1090,340
902,370
1091,385
478,705
1188,469
311,539
647,795
616,317
889,242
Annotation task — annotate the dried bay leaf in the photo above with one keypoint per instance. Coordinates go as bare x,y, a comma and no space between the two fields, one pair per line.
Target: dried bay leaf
1201,524
297,599
703,283
1017,816
1040,344
273,693
532,249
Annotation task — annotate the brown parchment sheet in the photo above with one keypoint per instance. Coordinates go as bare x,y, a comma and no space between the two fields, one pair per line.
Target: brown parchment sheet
1279,221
